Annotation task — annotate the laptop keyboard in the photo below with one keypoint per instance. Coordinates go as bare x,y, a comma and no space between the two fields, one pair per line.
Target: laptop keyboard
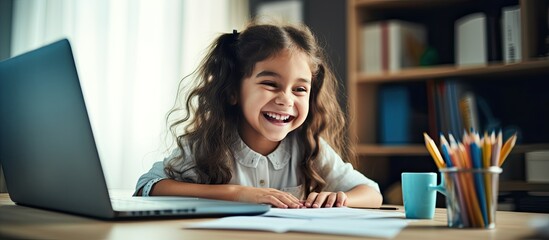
136,203
129,203
159,206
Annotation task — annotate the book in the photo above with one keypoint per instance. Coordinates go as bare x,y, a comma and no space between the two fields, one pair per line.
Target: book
468,111
493,33
453,94
455,108
391,45
537,163
371,49
394,114
432,106
511,34
471,40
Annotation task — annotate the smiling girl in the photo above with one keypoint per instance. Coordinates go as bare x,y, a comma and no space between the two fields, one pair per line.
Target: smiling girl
263,125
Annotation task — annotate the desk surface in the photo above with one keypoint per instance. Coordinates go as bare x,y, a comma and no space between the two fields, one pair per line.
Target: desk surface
30,223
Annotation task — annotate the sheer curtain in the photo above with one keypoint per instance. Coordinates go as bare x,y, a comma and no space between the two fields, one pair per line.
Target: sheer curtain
131,55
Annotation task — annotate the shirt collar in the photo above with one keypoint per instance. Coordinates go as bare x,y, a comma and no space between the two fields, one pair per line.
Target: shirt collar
279,158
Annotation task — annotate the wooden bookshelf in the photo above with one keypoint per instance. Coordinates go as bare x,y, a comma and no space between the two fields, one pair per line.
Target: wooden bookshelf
362,88
438,16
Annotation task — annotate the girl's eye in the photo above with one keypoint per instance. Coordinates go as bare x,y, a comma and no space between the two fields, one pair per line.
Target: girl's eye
269,84
300,89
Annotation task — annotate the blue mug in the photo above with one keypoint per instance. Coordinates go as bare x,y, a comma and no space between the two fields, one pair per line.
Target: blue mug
419,194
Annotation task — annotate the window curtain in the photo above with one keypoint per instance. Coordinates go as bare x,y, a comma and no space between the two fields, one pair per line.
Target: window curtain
130,55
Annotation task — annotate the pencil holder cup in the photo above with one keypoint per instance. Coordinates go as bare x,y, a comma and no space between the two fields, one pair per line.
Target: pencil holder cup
471,196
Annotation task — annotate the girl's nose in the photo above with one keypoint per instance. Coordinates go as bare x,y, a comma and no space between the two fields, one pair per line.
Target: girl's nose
284,99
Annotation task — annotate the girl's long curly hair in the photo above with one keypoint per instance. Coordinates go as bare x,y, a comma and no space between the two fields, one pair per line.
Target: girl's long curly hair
210,118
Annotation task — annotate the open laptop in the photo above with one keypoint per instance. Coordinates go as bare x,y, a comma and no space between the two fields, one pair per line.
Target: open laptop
48,152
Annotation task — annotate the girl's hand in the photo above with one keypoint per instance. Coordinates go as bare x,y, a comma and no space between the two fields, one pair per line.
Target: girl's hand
326,199
271,196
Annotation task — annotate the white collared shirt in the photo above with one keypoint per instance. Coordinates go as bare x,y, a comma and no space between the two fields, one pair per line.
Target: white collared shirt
279,170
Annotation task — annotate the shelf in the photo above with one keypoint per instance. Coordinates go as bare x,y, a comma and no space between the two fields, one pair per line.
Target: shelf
420,150
384,4
511,186
395,150
421,74
530,148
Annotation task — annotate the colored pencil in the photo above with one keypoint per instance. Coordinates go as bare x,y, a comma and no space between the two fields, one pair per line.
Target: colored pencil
433,150
506,149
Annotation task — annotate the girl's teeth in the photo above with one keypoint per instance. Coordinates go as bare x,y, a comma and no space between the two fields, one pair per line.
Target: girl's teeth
278,116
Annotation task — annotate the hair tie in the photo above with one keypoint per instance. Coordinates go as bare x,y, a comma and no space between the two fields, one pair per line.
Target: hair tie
235,34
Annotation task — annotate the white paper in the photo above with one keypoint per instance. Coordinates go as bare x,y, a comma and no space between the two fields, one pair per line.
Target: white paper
381,228
337,221
278,225
339,212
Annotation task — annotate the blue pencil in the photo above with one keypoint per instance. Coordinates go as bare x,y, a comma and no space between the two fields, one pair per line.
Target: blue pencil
445,147
479,182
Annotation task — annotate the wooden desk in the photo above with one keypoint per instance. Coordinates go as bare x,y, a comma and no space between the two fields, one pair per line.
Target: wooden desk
29,223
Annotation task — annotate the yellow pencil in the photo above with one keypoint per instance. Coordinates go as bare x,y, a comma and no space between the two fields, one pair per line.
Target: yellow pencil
506,149
489,145
486,150
433,150
496,150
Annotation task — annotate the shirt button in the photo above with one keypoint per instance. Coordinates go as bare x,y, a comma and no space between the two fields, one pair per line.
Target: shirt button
262,182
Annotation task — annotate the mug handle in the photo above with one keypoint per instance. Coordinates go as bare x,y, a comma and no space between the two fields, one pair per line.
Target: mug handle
440,187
